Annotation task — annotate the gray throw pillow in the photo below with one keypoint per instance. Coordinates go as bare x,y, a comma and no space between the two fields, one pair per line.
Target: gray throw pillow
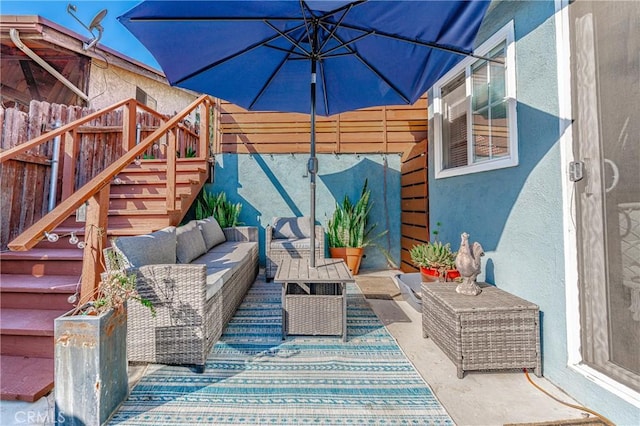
150,249
291,227
190,242
211,232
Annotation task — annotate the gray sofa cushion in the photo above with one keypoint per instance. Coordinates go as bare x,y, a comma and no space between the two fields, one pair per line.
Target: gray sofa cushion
151,249
229,255
190,243
211,232
291,227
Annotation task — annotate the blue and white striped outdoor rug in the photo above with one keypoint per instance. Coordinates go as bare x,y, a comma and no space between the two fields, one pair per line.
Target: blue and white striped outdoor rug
252,377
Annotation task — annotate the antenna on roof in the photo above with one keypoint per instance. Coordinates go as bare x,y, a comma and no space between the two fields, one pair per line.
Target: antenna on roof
94,25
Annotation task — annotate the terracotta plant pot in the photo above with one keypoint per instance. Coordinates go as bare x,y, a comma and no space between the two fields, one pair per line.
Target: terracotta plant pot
430,274
351,255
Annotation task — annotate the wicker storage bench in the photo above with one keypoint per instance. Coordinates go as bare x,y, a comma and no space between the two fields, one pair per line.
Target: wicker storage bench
492,331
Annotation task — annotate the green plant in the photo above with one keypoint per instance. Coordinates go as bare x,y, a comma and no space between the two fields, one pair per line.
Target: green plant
115,289
348,227
434,255
189,152
225,212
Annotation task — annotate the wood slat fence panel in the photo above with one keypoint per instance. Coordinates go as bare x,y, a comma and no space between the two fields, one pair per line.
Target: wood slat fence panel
415,204
391,129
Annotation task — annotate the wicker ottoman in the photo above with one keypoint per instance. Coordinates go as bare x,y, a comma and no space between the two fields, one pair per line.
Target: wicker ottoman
314,299
320,312
492,331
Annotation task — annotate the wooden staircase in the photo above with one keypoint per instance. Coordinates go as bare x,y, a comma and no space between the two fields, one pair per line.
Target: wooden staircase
42,283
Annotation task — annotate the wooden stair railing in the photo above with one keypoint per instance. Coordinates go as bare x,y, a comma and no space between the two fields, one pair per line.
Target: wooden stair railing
96,192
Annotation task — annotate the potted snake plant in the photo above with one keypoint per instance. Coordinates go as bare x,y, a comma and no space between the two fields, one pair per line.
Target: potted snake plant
349,231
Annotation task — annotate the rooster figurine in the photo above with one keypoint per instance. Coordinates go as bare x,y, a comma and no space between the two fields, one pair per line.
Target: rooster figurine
468,264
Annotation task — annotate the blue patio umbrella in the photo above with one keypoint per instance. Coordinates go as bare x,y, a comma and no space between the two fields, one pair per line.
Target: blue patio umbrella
315,57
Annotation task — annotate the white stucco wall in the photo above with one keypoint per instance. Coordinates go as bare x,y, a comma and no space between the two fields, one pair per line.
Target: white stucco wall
109,84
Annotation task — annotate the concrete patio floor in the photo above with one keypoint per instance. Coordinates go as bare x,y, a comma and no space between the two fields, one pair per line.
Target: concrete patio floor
478,399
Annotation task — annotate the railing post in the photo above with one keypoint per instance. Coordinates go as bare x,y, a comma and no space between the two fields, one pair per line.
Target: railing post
171,170
203,144
129,126
217,128
95,241
69,164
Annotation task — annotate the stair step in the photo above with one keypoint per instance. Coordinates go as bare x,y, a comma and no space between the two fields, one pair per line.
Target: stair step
21,283
139,212
28,322
22,291
39,262
161,172
65,230
155,188
149,180
25,378
145,197
186,164
33,346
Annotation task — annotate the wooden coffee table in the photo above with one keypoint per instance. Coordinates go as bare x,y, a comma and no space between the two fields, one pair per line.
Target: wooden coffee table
314,300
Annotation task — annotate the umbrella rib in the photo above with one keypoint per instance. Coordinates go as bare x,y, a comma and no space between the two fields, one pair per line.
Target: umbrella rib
324,89
429,44
303,6
374,70
296,44
345,44
273,75
335,28
230,57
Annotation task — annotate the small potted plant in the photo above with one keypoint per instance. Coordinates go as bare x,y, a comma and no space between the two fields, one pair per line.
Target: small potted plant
435,259
91,352
348,230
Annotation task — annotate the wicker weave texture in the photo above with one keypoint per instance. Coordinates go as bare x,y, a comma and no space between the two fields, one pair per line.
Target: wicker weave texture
275,254
314,315
492,331
186,324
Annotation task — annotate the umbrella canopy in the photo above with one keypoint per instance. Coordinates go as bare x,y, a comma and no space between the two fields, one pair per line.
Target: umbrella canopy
315,57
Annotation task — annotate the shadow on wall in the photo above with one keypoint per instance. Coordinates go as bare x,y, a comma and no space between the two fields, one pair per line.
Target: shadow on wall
383,180
480,203
277,185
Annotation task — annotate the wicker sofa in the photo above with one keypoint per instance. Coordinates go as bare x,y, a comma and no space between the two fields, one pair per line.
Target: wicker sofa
289,237
195,276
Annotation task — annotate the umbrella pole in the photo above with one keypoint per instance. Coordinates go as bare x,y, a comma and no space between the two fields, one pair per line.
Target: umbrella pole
312,166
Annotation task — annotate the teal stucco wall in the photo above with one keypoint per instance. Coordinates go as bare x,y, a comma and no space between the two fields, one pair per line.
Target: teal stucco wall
278,185
517,213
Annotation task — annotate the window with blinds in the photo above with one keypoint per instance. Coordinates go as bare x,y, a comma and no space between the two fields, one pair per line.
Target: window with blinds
475,112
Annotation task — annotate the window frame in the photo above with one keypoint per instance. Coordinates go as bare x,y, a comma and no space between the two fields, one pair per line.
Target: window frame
504,35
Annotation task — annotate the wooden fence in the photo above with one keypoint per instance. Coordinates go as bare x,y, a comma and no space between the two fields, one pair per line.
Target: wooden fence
415,203
393,129
25,180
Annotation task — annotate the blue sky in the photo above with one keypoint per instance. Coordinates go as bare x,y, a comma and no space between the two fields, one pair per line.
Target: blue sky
115,34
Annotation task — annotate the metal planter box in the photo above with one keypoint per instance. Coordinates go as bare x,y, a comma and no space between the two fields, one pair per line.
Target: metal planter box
90,366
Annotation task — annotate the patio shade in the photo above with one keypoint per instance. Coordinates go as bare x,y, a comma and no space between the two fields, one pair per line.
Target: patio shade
315,57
